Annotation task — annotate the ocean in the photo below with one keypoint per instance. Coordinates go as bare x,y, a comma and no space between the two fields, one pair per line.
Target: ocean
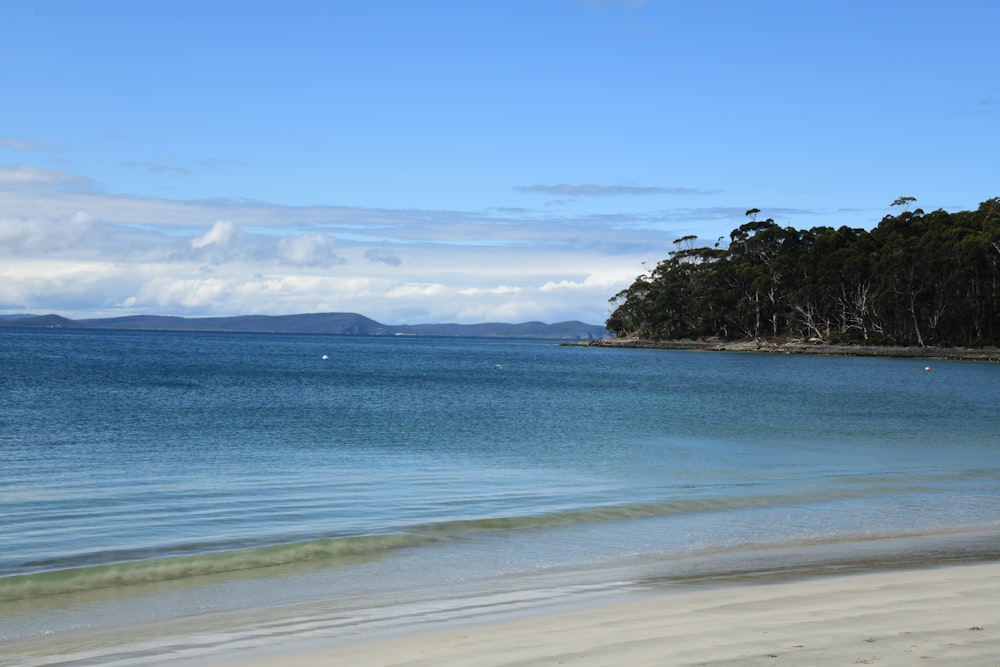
166,497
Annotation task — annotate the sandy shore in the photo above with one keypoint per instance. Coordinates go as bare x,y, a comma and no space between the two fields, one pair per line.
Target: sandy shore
944,615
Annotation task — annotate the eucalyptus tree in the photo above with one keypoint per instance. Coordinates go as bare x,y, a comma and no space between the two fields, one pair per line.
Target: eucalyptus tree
915,279
762,253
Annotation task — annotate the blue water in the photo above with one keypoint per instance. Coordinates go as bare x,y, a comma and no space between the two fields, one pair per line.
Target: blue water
151,477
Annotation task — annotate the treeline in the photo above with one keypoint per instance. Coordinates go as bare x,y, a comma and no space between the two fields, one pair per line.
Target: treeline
916,279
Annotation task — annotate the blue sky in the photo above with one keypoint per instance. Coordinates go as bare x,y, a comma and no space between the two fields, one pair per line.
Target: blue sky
465,161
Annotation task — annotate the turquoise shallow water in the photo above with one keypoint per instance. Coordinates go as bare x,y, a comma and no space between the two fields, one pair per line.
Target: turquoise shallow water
151,477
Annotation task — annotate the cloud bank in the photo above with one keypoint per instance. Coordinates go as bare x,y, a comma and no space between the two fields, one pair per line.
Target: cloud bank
67,248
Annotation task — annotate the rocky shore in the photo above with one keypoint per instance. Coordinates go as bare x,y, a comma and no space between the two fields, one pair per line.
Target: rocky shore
800,347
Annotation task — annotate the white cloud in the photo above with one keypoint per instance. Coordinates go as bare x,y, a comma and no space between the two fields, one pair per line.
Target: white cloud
44,235
408,290
221,234
25,175
605,280
88,254
81,218
307,250
502,289
56,284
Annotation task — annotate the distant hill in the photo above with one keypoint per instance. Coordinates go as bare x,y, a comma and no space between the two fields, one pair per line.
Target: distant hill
347,324
340,324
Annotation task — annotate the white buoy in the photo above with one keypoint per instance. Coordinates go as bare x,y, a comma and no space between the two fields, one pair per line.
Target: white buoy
927,369
326,358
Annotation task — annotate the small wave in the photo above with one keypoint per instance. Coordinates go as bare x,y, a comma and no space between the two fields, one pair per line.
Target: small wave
75,580
654,509
351,549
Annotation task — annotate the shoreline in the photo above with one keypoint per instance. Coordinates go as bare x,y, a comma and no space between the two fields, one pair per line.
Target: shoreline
652,611
797,347
942,615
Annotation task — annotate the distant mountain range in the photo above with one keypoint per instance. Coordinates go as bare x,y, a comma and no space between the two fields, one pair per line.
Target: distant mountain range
340,324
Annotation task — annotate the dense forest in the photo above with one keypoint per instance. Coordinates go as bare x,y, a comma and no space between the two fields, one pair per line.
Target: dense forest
916,279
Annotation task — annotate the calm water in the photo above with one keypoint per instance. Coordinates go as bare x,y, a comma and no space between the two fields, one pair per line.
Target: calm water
155,477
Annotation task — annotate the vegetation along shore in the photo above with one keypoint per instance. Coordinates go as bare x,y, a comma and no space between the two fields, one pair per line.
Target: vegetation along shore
917,280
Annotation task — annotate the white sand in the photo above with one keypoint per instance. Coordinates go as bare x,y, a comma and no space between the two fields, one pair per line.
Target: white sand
943,616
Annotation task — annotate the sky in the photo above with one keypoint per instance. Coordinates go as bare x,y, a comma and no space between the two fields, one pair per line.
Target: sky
423,161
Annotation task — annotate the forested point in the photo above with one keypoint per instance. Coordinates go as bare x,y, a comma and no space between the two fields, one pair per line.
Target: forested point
917,279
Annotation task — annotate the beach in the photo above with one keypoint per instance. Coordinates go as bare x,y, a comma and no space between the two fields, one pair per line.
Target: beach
199,499
937,615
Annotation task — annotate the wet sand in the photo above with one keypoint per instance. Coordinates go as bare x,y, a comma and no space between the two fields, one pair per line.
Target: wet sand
946,615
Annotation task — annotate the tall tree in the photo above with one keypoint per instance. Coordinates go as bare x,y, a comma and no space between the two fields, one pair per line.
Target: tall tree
915,279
